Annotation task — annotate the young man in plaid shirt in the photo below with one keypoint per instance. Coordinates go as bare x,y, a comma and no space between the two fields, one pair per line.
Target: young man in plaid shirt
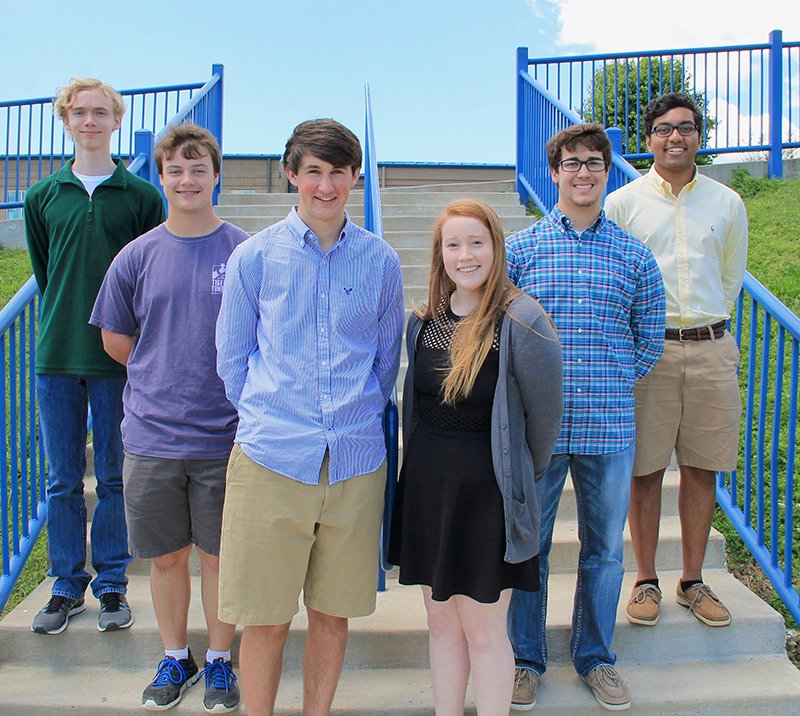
604,292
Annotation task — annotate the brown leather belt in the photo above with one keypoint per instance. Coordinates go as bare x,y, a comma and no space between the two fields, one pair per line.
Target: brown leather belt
701,333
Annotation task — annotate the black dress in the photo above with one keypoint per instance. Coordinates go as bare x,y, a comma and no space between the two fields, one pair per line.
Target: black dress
448,526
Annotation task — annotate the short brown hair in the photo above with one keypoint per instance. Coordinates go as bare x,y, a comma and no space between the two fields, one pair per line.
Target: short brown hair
326,139
66,95
591,136
192,141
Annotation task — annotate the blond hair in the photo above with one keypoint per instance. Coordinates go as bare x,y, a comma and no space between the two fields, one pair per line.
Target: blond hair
66,96
474,334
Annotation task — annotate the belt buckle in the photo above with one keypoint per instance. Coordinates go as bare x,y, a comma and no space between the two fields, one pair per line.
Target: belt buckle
680,335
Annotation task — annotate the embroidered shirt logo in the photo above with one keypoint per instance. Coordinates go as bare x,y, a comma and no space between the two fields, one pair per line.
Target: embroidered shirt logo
349,290
217,278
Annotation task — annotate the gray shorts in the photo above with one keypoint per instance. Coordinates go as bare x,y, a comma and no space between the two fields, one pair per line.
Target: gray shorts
170,504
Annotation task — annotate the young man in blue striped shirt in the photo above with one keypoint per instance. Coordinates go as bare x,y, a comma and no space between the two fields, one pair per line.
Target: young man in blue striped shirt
308,342
603,290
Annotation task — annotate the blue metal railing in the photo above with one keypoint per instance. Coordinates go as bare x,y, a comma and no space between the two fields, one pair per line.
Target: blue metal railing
748,92
373,221
22,463
760,501
33,143
22,474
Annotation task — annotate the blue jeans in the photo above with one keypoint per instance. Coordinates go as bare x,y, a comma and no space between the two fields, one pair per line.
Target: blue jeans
602,490
63,401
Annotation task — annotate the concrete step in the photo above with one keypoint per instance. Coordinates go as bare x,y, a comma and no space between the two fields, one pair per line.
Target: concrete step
456,188
395,636
421,238
393,642
758,686
420,224
565,545
567,508
389,210
564,552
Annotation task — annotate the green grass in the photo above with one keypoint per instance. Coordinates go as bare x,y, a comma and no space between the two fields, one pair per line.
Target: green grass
15,270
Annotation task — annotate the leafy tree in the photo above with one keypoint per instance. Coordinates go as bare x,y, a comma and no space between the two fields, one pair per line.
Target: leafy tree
620,90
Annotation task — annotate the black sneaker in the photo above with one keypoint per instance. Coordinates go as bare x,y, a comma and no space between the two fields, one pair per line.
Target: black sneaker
114,612
172,678
222,693
53,618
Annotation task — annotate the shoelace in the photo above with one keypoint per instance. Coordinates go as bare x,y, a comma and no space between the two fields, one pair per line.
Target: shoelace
608,675
55,604
644,592
111,601
702,590
169,671
522,676
219,675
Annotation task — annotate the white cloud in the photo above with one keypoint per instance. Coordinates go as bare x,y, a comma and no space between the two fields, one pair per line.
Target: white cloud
751,129
630,25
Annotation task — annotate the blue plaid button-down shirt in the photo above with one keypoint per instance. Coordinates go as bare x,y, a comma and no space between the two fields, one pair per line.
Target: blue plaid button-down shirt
604,292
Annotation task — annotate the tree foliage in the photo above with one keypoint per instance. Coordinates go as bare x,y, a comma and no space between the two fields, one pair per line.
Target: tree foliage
620,90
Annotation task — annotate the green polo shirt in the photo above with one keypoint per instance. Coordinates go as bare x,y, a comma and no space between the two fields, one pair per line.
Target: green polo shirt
72,240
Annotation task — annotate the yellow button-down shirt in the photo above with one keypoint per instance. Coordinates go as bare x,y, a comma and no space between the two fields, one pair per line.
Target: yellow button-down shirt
699,239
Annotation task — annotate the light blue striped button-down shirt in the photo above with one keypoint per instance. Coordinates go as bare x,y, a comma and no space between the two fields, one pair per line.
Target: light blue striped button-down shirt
308,346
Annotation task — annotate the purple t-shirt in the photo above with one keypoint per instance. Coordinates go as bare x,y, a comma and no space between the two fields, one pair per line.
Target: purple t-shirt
169,289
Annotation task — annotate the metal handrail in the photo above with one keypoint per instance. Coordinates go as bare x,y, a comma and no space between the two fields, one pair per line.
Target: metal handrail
747,92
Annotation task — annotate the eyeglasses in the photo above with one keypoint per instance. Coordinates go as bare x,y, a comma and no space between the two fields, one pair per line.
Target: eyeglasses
574,165
685,129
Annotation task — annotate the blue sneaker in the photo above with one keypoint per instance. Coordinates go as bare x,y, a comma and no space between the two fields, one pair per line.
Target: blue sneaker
172,678
222,693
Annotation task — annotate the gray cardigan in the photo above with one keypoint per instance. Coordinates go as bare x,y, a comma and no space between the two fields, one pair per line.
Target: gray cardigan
526,415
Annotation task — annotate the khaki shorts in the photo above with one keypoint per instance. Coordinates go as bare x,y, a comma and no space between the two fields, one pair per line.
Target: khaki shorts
280,536
689,402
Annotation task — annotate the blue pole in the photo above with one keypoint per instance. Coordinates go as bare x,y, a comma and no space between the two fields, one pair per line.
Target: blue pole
615,137
775,95
522,66
216,119
144,143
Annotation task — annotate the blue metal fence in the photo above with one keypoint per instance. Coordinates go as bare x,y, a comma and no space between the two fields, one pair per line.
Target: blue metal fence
749,92
22,475
22,464
761,497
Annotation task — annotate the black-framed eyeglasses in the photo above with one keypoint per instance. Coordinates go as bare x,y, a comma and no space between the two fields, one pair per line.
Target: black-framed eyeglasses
574,165
685,129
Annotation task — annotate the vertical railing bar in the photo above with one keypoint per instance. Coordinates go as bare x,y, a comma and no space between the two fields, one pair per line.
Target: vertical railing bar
23,425
762,413
32,413
12,431
4,477
749,407
791,442
777,400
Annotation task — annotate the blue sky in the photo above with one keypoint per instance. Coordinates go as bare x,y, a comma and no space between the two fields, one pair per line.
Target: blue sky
441,72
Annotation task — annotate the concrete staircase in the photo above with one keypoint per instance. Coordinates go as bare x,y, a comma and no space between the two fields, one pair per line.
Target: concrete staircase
677,667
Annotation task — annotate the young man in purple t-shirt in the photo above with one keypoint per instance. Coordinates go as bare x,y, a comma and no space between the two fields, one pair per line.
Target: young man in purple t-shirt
157,310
